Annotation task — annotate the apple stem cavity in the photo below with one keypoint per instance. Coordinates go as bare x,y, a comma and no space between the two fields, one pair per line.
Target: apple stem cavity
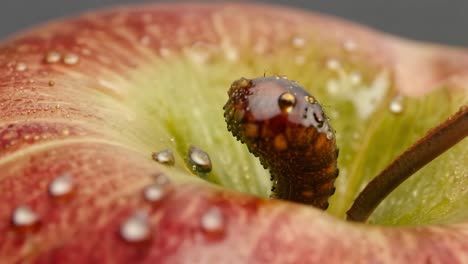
433,144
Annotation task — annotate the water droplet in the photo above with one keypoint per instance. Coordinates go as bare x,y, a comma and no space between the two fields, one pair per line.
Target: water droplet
286,102
329,135
333,64
231,53
165,157
51,83
156,192
199,160
62,185
71,59
396,105
24,217
310,99
136,228
53,57
349,45
20,66
298,42
213,222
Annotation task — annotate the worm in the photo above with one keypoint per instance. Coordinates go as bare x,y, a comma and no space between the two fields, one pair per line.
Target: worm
287,129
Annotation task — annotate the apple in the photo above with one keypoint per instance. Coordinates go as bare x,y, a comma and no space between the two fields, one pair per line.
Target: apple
90,104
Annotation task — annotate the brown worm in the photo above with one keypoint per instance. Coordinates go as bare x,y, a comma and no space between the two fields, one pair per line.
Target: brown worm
283,125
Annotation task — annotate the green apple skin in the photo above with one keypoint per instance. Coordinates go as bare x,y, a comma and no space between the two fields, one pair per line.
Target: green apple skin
75,113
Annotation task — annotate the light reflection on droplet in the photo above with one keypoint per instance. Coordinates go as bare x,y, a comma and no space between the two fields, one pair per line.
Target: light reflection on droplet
349,45
21,66
298,42
333,64
199,160
212,221
158,190
396,105
286,102
71,59
62,185
136,228
165,157
53,57
231,53
355,78
24,216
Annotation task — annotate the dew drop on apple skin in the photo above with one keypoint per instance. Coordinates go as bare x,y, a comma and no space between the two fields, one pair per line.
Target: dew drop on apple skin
61,186
349,45
165,157
154,193
136,228
355,78
24,218
21,66
71,59
53,57
396,105
333,64
213,222
158,190
199,161
298,42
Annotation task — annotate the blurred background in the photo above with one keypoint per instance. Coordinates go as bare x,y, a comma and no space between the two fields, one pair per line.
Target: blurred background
442,21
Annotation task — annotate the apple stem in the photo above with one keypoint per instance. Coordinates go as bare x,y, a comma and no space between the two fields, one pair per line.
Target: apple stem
433,144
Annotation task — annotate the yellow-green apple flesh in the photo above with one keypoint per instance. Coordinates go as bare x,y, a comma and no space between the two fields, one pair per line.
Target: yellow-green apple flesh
85,101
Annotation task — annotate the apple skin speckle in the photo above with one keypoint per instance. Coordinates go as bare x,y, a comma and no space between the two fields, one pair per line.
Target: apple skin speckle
86,138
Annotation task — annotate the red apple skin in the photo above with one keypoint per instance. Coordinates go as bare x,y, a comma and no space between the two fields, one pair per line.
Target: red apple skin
46,130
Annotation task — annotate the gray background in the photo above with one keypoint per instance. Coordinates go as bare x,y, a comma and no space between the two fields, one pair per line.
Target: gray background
443,21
